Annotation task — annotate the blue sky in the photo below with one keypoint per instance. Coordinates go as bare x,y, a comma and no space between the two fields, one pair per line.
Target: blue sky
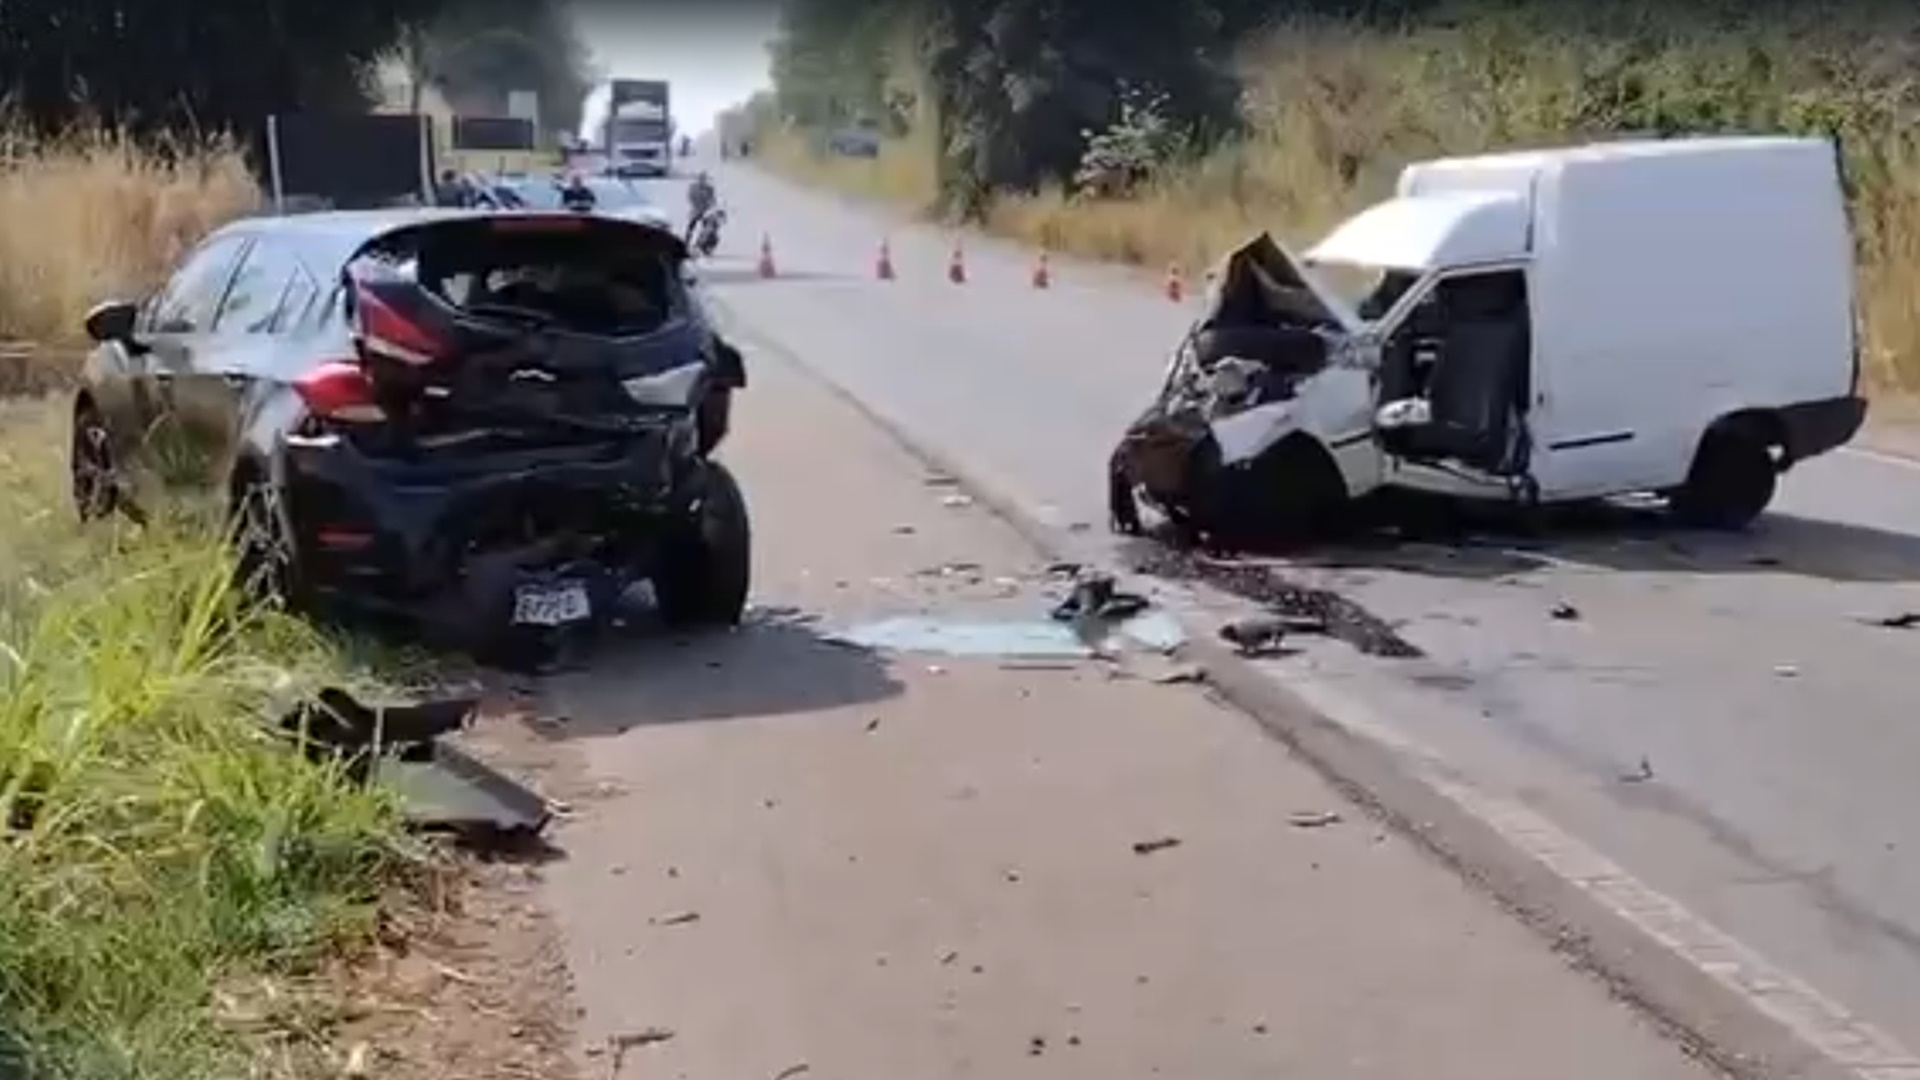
714,55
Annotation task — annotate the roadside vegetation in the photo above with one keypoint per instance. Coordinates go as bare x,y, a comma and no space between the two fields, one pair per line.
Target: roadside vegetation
168,870
178,886
1077,147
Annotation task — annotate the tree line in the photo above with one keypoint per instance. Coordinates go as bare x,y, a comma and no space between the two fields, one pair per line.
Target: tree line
176,66
1018,93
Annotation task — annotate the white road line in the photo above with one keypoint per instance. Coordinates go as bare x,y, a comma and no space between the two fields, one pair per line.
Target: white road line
1817,1020
1883,458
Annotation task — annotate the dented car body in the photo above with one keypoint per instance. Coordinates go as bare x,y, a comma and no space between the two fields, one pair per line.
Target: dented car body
1671,317
489,423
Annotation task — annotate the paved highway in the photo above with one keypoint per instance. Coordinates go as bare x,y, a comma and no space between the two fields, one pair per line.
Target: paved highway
1722,719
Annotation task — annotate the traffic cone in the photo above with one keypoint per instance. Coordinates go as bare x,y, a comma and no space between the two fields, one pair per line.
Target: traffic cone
883,266
957,264
1176,288
1043,272
766,256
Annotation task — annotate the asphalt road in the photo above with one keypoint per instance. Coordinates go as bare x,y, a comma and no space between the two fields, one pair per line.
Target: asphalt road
1720,719
807,859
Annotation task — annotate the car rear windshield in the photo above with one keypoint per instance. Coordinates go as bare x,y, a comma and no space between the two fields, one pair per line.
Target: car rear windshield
569,274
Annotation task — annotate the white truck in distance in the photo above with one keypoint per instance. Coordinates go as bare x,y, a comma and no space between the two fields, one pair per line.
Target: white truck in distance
640,139
1672,317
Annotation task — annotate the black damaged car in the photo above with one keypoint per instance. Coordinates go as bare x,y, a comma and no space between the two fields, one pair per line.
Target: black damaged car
488,423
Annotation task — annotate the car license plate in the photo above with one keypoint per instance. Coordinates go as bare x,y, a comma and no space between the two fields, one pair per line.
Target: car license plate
551,604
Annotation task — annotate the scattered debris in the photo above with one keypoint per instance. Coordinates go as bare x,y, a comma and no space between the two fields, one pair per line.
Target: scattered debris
1148,847
1096,596
904,530
956,500
873,725
1314,819
1321,611
1036,1046
1786,671
1905,620
1073,1040
792,1071
1641,775
1181,673
941,480
1565,612
1261,637
621,1044
678,918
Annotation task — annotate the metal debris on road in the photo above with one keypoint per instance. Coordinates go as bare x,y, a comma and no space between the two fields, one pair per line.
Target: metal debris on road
1314,819
1148,847
400,746
1097,596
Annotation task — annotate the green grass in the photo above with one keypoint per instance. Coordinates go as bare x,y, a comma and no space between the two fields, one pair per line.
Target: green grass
175,848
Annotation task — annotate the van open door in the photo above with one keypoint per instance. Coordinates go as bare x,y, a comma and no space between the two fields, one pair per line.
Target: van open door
1455,378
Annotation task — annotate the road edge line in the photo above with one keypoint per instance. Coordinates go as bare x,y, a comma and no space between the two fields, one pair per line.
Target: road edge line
1700,1007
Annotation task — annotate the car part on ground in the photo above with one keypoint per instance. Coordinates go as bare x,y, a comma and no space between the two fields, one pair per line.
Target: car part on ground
401,747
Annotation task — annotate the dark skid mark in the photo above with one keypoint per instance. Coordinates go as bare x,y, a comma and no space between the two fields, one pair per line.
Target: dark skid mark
1267,586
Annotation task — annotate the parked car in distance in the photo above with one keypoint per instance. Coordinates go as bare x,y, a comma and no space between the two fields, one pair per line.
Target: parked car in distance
487,422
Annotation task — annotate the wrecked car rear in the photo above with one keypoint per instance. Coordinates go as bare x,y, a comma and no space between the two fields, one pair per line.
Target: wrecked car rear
523,433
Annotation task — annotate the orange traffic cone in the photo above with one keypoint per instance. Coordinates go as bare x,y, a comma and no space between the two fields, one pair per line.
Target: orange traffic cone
957,264
1043,272
766,256
883,266
1176,288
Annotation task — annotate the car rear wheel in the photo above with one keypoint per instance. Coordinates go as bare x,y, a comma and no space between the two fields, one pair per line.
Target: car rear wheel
705,566
93,474
1731,482
264,553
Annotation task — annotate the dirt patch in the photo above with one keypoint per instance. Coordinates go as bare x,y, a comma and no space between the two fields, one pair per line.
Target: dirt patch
468,978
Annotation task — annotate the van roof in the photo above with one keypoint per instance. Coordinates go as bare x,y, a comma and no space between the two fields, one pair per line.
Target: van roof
1634,149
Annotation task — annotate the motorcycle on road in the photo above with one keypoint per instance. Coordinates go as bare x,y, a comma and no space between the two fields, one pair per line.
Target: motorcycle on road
705,233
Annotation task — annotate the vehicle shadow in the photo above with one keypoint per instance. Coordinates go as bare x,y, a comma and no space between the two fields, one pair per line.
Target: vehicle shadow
1491,543
778,662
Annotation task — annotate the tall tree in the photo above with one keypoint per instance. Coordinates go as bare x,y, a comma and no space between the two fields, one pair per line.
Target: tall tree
172,64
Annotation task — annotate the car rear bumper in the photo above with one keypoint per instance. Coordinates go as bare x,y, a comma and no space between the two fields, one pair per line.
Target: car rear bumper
410,535
1815,427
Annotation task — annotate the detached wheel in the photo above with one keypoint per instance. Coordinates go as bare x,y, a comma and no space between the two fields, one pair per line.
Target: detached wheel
265,559
94,476
705,566
1731,482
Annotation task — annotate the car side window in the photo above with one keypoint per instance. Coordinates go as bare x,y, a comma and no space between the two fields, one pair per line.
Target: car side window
253,299
188,304
296,303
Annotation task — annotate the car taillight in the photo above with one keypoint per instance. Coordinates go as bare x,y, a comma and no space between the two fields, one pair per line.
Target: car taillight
339,391
389,333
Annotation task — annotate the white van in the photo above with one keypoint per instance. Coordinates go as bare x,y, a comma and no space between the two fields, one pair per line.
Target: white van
1671,317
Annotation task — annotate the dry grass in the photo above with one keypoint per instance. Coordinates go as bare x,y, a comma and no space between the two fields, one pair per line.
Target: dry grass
904,173
1334,111
92,216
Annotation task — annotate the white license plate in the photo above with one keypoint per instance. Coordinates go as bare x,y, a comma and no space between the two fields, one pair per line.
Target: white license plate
551,605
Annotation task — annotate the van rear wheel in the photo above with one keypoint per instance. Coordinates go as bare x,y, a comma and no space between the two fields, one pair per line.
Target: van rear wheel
1731,482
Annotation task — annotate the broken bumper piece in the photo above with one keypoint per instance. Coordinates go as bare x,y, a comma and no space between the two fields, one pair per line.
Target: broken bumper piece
401,747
